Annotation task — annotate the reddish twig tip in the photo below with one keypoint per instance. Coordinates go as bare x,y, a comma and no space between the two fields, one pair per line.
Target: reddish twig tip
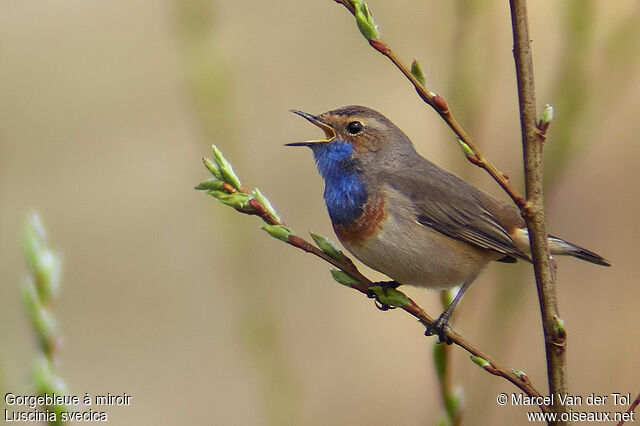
440,104
230,189
380,46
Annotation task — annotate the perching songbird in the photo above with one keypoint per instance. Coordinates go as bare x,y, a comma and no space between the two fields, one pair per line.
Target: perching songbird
402,215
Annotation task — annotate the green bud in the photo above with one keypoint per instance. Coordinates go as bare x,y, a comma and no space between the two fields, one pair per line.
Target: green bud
521,374
546,115
343,278
45,379
417,72
212,167
278,231
558,327
480,362
210,184
366,24
46,325
42,373
30,296
41,317
225,168
390,296
48,270
258,196
217,193
440,359
237,200
34,238
327,246
36,225
465,148
44,263
394,297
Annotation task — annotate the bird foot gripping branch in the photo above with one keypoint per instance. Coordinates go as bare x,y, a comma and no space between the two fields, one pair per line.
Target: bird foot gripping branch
380,291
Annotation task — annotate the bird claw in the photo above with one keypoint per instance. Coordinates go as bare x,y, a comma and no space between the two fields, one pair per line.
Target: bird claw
378,303
384,285
439,328
382,306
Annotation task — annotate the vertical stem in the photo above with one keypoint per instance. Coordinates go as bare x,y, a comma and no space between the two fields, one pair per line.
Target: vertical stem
451,399
533,138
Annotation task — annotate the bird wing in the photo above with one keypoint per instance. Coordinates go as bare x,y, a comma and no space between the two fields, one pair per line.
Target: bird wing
451,206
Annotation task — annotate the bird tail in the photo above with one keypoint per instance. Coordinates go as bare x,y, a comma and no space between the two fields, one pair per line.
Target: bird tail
562,247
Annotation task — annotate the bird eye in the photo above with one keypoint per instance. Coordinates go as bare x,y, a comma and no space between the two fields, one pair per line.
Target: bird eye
354,127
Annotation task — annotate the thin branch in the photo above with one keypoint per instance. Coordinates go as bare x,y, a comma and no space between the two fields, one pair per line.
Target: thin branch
533,136
632,407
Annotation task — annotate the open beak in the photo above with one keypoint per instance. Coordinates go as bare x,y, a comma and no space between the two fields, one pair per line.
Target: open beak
329,133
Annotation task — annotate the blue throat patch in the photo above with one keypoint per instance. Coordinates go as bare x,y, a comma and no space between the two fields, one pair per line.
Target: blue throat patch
344,192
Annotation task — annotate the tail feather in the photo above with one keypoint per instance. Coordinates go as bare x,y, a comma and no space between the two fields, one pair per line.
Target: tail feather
562,247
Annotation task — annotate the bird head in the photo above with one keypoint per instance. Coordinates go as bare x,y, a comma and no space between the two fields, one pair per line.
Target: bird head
356,138
364,129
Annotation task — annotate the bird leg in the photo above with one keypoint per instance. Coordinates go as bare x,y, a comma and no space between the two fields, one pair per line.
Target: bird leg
440,325
385,285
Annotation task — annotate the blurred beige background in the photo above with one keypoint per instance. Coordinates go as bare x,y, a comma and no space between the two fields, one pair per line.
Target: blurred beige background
106,109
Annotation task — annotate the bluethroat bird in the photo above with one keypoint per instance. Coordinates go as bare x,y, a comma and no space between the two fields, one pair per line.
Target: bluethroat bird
402,215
